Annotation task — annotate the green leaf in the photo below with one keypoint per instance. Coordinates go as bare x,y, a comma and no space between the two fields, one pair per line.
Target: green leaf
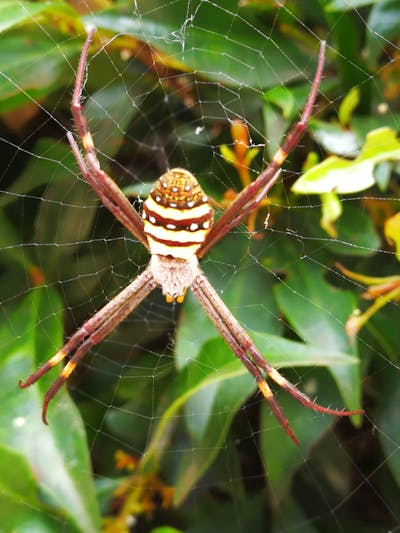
21,509
342,176
208,416
331,211
57,454
318,312
283,353
69,205
383,27
13,13
387,419
275,126
349,5
284,98
281,457
10,243
209,412
356,234
52,162
32,66
17,13
227,154
234,61
216,364
109,111
348,105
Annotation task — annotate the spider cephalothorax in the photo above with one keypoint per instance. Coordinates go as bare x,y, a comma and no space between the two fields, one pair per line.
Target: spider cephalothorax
177,229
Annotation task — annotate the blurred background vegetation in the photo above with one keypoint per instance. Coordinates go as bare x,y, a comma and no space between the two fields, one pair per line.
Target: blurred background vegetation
165,431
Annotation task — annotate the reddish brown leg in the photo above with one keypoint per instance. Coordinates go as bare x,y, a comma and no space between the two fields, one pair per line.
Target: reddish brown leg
208,298
109,193
294,391
93,332
241,345
244,201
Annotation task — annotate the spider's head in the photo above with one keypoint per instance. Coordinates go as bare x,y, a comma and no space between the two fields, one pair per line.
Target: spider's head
177,215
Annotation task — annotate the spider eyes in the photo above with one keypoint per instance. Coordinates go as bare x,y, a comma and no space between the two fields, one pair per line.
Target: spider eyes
178,189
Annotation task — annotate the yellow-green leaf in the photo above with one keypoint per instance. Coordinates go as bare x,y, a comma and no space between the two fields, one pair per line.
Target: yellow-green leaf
392,232
331,211
350,102
342,176
227,154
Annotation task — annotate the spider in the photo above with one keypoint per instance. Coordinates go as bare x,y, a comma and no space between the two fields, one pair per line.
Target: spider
177,228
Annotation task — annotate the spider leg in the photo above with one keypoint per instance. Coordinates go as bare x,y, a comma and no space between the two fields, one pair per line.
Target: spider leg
109,193
240,342
93,332
260,196
294,391
223,320
244,201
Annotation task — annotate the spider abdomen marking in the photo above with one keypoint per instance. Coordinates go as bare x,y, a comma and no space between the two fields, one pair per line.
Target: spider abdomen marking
177,215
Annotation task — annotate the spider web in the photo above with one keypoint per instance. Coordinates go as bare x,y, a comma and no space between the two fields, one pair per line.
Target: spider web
162,402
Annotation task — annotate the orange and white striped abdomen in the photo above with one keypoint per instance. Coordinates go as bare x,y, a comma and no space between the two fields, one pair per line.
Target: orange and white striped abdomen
177,215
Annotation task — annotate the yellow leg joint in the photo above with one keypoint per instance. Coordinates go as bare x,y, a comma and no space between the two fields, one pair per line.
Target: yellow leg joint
68,369
88,141
280,157
264,388
59,356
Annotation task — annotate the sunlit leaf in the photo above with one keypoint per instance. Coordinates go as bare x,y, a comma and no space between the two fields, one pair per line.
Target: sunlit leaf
392,232
331,211
335,139
342,176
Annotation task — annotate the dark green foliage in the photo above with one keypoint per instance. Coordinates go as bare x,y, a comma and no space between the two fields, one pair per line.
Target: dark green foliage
164,388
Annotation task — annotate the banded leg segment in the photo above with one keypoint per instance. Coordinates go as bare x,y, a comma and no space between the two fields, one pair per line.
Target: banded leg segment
239,341
294,391
245,202
223,321
93,332
109,193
